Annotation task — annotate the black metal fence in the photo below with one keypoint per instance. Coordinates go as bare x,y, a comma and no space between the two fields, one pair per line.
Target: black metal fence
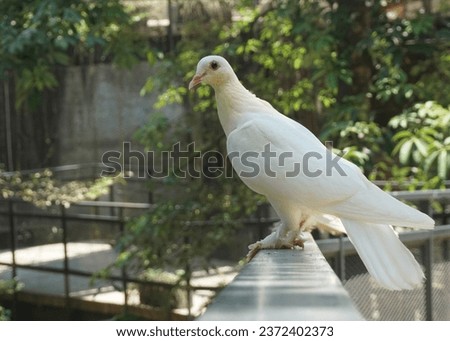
23,226
105,221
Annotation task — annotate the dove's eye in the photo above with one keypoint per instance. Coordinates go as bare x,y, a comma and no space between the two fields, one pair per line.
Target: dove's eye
214,65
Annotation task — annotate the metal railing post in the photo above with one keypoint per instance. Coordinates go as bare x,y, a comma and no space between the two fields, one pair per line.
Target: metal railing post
112,210
123,269
66,258
444,212
342,276
170,27
445,250
428,262
188,276
12,236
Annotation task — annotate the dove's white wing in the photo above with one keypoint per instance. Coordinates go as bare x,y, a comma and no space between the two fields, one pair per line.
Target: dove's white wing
304,171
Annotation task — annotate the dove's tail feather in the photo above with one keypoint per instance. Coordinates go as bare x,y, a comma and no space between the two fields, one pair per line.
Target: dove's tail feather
384,255
382,208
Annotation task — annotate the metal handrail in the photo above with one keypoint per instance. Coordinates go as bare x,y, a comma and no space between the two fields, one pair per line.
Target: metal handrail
426,194
284,285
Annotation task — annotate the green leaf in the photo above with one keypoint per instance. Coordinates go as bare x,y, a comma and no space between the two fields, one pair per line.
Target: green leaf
430,159
148,87
421,146
401,135
405,151
443,164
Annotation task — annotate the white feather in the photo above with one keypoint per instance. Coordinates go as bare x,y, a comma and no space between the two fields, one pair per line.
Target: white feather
384,255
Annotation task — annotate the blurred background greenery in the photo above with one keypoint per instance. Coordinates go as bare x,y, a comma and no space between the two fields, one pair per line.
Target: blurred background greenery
361,74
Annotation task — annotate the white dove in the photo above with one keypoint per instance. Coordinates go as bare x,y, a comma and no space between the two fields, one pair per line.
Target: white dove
306,183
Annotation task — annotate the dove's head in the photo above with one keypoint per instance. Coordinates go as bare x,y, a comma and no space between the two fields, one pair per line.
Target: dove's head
214,71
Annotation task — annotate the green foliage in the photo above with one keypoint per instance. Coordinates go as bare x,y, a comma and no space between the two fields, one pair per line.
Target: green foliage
42,189
194,215
344,71
424,138
175,234
5,314
360,142
7,287
38,35
166,297
295,46
433,77
346,94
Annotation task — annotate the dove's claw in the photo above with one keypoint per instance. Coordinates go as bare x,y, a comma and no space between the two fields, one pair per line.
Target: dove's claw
254,248
272,241
293,244
299,242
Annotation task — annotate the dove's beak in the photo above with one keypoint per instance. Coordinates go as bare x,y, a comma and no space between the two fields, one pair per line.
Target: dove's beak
196,80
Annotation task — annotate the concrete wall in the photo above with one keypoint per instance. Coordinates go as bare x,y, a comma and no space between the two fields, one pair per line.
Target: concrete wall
100,109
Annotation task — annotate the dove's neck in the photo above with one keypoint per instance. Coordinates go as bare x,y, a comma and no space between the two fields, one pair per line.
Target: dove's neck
233,102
